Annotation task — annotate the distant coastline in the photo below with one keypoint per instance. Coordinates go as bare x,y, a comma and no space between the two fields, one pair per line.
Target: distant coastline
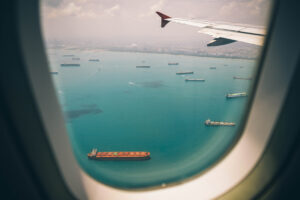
181,53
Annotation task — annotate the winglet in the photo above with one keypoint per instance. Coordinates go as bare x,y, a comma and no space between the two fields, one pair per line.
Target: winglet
164,22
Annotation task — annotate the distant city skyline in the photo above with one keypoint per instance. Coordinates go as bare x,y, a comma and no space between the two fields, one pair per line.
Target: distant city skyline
134,22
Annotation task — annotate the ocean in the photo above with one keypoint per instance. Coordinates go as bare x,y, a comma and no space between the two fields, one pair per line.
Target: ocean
113,106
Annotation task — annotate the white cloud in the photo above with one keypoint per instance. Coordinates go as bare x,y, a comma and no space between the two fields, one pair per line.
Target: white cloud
69,17
153,8
88,14
241,8
255,6
81,1
70,9
158,6
112,11
133,45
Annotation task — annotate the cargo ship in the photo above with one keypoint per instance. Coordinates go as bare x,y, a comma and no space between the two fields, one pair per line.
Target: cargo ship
69,65
143,66
212,123
94,60
195,79
241,78
176,63
212,68
182,73
122,155
235,95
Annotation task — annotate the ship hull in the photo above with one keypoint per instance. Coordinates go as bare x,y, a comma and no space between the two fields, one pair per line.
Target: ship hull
232,97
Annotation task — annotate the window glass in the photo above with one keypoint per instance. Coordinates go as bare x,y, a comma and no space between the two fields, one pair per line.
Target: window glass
150,106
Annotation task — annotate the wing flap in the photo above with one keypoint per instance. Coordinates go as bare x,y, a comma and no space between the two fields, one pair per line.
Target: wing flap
248,38
220,41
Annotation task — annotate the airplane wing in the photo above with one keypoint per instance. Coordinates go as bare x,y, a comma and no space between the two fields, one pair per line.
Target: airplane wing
223,33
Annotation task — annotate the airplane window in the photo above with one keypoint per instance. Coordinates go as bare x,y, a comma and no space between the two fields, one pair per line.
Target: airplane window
153,92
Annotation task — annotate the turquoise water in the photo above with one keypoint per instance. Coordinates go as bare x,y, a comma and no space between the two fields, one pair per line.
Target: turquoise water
113,106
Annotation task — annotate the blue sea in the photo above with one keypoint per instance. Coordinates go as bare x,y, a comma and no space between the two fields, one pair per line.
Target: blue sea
114,106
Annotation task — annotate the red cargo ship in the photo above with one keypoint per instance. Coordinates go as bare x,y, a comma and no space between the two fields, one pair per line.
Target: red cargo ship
131,155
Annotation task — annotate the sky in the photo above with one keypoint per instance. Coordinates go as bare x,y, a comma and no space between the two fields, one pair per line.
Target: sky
135,21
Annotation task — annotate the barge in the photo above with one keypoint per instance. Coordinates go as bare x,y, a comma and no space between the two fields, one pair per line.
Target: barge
195,79
208,122
183,73
94,60
242,78
70,65
143,66
122,155
175,63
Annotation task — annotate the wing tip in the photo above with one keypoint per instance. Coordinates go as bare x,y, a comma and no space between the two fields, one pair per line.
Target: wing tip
163,17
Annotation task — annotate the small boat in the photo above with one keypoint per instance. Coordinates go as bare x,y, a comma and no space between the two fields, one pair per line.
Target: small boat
208,122
235,95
